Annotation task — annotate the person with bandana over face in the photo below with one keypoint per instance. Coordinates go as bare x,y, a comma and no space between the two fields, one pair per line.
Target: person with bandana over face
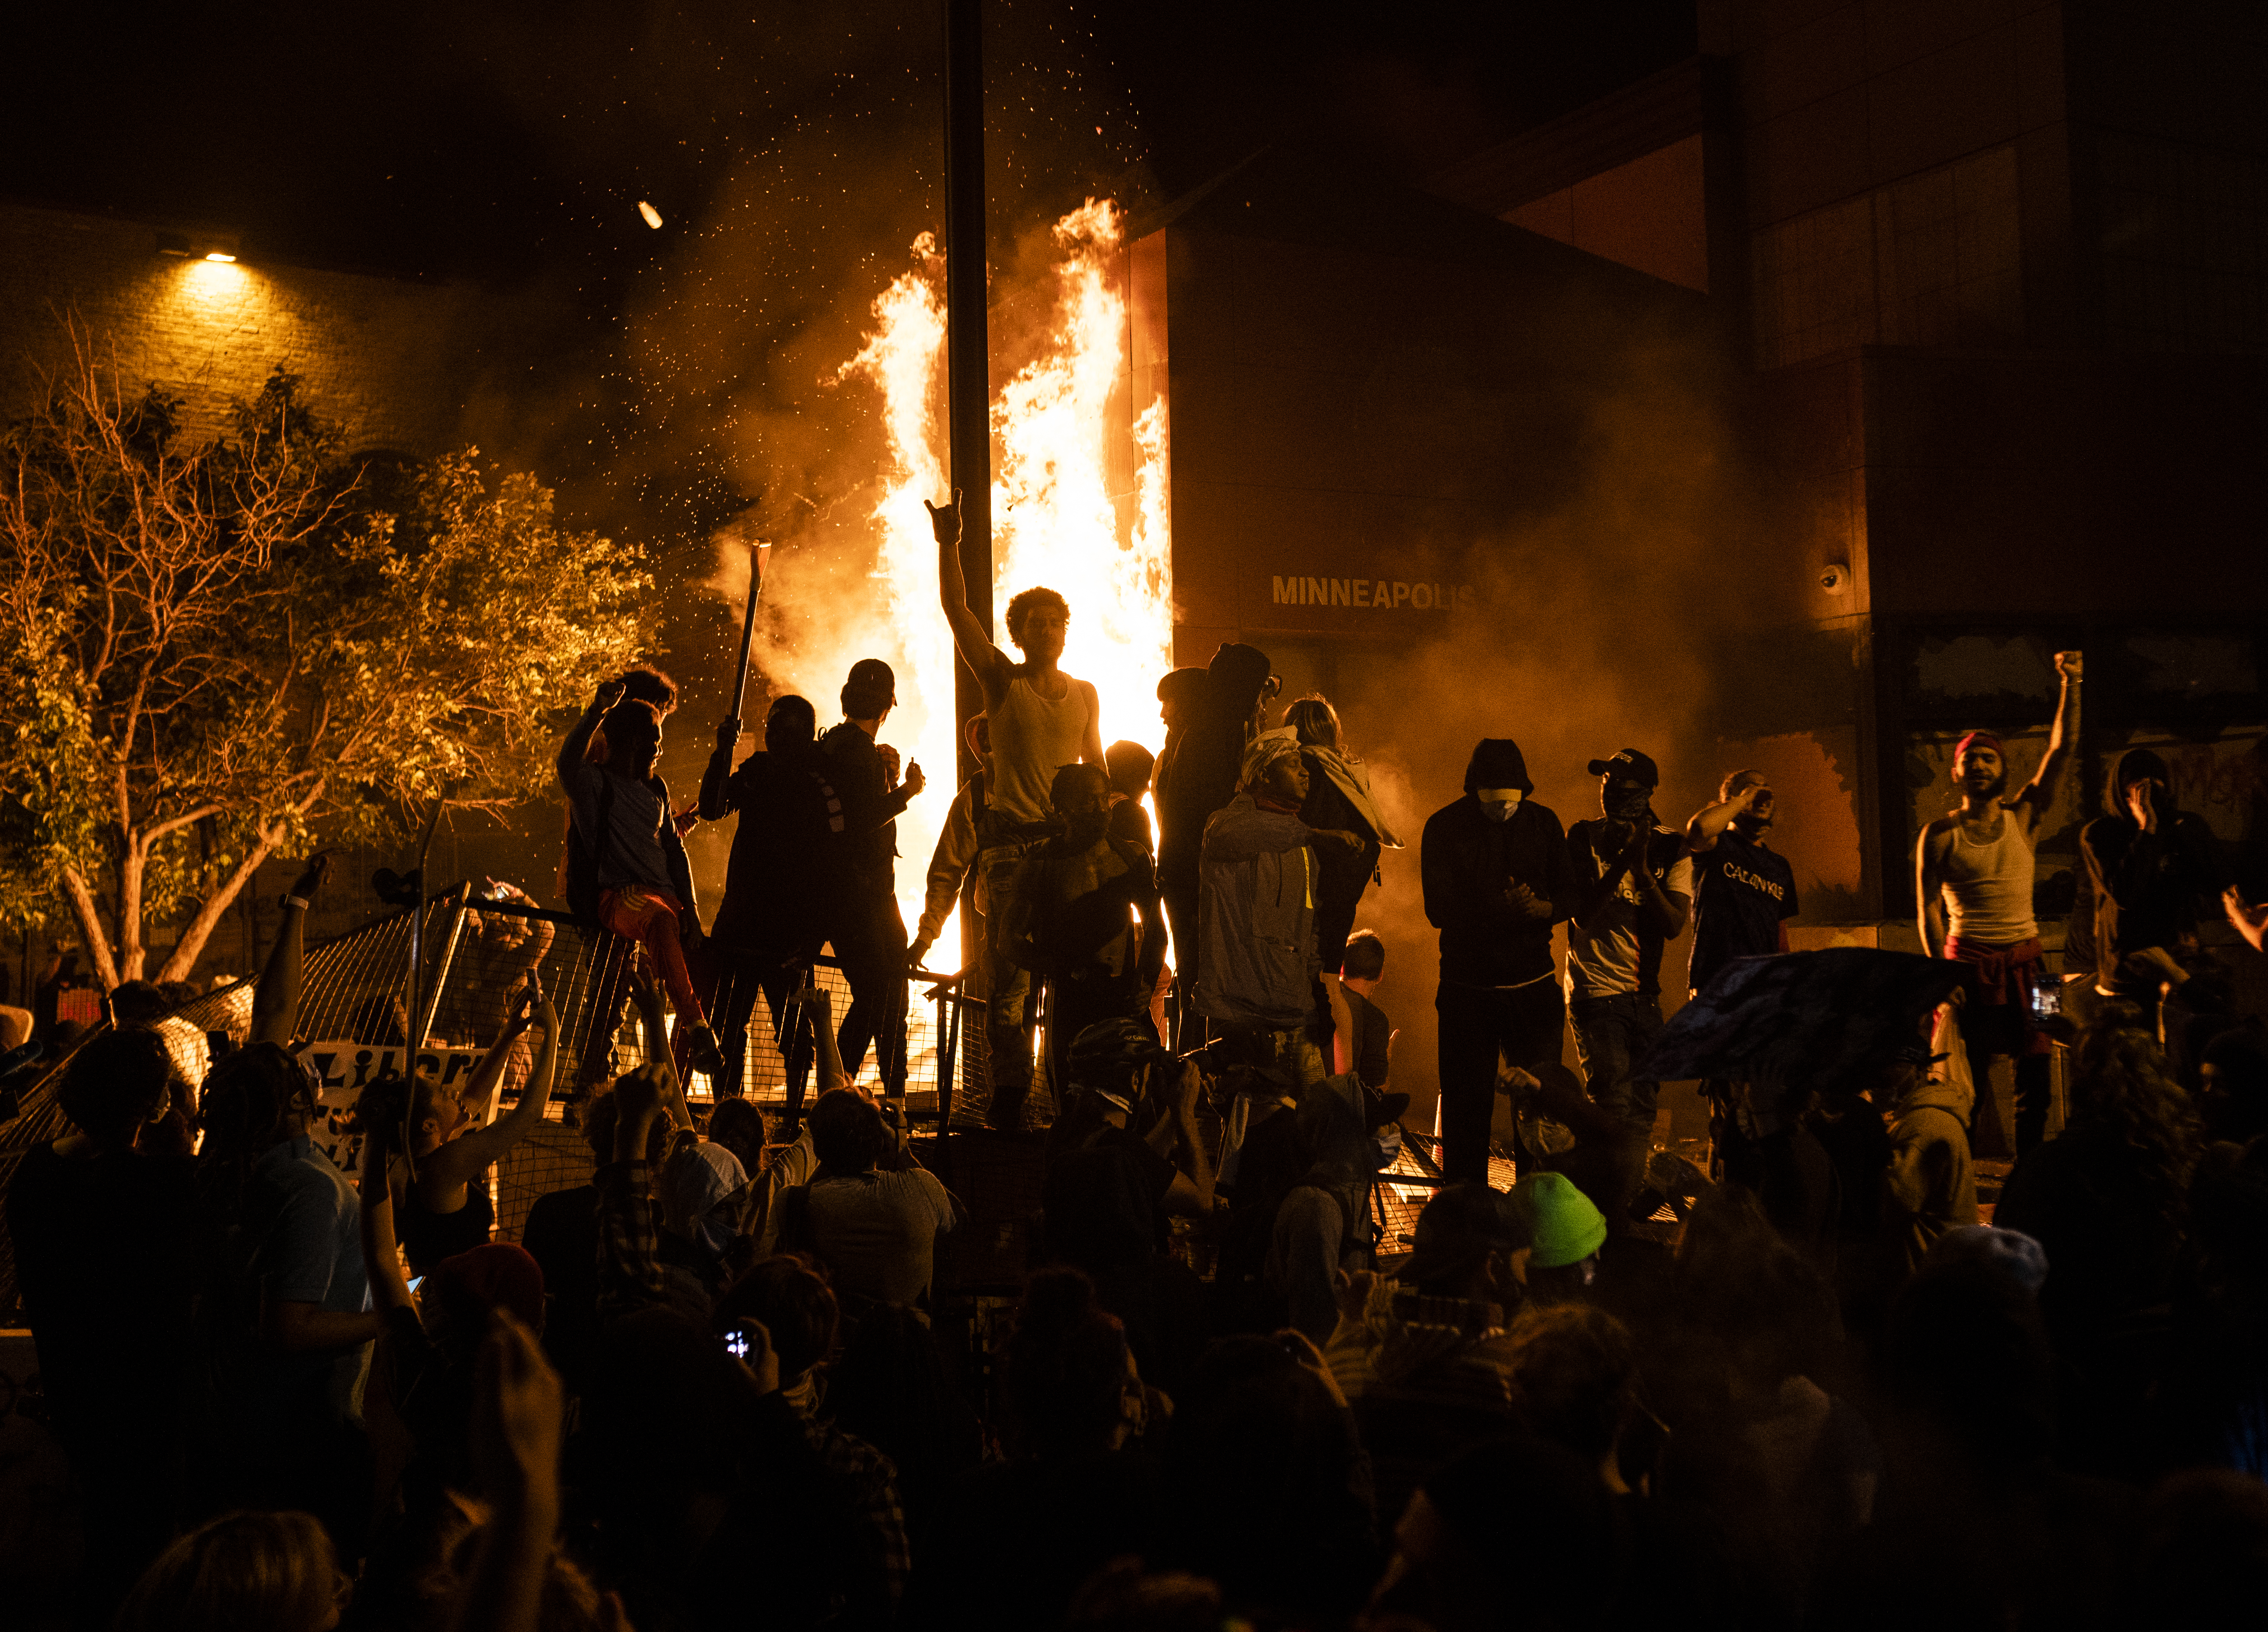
1634,890
1075,903
1496,879
1041,720
1973,887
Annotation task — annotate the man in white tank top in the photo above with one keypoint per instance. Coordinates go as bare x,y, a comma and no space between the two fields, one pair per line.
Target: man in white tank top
1041,720
1973,882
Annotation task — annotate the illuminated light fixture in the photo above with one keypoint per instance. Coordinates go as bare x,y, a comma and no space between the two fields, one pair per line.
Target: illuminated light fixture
198,244
652,216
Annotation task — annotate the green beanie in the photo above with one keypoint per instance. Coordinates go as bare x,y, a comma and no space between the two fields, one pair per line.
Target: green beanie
1566,1226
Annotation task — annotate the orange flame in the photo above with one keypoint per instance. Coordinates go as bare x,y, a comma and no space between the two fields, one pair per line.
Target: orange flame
1055,521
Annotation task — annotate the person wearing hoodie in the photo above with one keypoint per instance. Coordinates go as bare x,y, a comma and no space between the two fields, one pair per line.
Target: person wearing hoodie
1338,797
1497,878
2150,864
1931,1189
1256,918
1199,775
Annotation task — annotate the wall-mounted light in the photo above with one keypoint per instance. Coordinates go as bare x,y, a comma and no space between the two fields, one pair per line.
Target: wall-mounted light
195,244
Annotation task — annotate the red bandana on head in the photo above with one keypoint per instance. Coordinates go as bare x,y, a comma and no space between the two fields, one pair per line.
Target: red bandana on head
1976,739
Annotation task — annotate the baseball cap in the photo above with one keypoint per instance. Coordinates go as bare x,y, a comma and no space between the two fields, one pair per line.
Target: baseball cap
1629,762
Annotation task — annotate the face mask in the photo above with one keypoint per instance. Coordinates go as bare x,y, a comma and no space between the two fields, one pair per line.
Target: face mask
1628,804
1500,802
1086,829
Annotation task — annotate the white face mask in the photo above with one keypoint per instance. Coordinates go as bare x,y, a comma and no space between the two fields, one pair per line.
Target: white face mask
1500,802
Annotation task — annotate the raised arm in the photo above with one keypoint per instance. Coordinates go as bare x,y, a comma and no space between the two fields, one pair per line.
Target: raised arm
2063,736
1191,1190
276,994
714,800
579,740
475,1152
1708,823
1090,751
653,1018
988,662
1343,1037
381,1260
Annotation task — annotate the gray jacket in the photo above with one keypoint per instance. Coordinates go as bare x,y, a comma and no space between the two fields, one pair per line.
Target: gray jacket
1257,918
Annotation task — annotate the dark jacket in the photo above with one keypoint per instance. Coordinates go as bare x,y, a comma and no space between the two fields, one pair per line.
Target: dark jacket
2147,887
871,808
1200,775
790,860
1467,859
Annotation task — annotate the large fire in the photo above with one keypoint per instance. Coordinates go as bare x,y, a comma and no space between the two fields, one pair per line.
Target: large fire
1056,520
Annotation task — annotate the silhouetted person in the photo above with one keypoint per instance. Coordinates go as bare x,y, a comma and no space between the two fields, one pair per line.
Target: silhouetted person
1041,720
2150,865
953,872
789,870
1338,797
1202,775
1181,699
864,924
1496,879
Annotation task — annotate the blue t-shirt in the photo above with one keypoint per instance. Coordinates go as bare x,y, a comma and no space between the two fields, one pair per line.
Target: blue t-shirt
1740,893
311,1252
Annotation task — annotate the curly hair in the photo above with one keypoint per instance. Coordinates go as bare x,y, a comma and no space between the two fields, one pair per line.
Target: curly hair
2120,1084
847,1133
1025,602
1315,723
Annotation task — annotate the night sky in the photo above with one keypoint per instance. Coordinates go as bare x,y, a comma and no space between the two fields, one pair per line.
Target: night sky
507,142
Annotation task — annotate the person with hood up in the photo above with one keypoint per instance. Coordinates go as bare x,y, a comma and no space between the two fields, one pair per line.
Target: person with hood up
1338,796
1322,1224
1198,776
1257,918
2150,863
1497,878
1931,1187
1181,699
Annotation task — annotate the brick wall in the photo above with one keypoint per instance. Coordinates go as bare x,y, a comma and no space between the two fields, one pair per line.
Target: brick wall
391,357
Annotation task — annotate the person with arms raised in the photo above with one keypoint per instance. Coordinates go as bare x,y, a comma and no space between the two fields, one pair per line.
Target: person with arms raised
1974,868
1041,720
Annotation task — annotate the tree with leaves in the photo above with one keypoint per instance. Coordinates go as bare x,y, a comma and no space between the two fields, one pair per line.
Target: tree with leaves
213,653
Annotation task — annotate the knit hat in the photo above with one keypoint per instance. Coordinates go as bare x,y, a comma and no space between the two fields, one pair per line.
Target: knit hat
1185,685
1565,1225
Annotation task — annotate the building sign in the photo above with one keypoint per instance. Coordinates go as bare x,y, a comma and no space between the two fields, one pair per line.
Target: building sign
1375,594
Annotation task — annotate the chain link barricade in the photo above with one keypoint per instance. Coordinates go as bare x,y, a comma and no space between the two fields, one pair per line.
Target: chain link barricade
354,1019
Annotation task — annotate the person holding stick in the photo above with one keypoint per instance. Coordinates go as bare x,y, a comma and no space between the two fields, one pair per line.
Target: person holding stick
1041,720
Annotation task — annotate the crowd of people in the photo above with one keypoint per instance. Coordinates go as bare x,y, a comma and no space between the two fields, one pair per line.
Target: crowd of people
724,1383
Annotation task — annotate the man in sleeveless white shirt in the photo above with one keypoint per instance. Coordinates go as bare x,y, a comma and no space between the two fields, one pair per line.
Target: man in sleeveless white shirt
1041,720
1974,887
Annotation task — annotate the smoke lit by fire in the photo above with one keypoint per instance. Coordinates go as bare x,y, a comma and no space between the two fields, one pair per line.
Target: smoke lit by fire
1059,428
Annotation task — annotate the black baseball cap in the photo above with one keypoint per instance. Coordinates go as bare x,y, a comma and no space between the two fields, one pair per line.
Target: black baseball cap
1457,1228
870,676
1630,764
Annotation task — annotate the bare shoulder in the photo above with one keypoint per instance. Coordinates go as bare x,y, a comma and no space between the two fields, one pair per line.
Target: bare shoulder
1936,834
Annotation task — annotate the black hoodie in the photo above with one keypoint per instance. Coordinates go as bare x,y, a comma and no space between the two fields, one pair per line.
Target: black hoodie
2147,887
1202,774
1468,859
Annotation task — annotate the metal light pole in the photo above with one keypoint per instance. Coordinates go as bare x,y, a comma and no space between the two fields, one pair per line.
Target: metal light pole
969,382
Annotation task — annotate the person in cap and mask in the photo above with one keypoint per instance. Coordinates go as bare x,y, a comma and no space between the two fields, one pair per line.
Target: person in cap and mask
868,930
1041,720
2151,866
1495,880
1973,885
1634,889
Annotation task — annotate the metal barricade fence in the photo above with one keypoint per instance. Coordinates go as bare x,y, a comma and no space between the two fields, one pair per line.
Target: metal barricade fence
354,1019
